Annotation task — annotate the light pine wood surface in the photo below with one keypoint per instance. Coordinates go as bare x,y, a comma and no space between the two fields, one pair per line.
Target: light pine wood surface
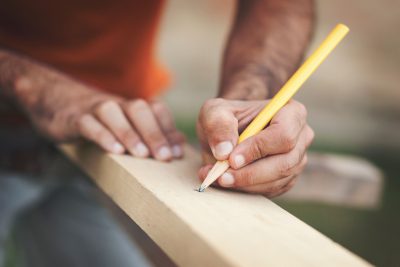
213,228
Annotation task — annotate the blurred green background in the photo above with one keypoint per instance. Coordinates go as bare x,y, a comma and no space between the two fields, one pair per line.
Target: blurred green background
353,103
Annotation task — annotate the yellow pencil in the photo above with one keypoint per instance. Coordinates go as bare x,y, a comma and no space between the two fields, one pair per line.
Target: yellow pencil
283,96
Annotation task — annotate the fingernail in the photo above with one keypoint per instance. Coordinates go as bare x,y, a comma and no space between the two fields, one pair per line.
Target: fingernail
239,161
223,149
141,150
177,151
226,180
117,148
164,153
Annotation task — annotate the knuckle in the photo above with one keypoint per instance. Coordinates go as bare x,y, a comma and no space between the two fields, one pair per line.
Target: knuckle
211,122
302,110
206,106
213,102
294,162
136,105
284,168
156,138
275,187
257,149
243,177
105,106
207,111
288,140
221,121
128,136
298,158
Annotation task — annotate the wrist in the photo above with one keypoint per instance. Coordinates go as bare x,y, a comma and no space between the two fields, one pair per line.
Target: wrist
250,83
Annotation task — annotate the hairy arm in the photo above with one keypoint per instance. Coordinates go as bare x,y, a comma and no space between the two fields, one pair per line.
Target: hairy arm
45,95
265,46
62,109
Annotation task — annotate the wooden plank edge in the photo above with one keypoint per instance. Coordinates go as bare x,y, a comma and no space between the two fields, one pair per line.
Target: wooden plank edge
101,166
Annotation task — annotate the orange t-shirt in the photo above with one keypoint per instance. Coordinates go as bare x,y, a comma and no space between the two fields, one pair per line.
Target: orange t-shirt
106,43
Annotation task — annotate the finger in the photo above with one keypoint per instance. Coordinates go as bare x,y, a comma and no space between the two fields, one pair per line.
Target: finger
111,115
268,169
203,171
280,136
145,122
165,120
285,189
93,130
219,126
205,148
269,189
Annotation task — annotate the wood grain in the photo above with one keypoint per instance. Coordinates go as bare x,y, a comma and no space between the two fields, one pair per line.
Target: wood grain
214,228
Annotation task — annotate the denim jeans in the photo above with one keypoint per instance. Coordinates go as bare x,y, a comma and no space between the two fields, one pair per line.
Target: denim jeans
52,218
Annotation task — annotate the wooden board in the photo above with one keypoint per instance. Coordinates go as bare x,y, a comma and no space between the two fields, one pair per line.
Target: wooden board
214,228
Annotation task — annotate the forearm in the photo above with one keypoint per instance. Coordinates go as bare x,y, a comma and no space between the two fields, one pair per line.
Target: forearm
265,46
25,80
64,109
40,91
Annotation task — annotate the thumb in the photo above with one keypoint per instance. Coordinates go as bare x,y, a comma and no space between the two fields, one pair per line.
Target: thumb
219,126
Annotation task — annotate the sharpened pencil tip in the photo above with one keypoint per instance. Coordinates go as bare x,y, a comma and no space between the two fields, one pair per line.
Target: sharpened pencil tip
201,189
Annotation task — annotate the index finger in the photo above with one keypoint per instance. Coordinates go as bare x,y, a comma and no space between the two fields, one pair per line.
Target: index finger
281,136
219,126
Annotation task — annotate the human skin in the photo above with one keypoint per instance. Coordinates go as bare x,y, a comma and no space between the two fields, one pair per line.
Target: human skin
266,45
63,109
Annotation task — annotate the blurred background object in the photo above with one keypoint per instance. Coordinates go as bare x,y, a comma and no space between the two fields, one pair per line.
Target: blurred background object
338,180
352,102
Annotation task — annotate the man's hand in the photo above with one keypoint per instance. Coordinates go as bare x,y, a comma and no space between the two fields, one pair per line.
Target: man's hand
141,128
68,110
64,109
267,163
265,46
